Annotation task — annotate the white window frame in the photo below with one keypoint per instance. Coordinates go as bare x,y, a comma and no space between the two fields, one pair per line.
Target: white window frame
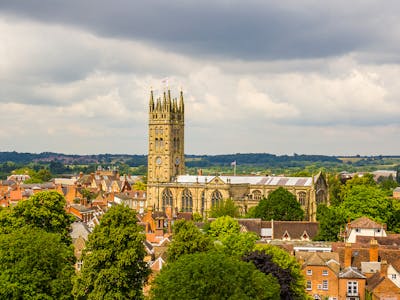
393,276
309,285
352,288
324,272
325,285
309,272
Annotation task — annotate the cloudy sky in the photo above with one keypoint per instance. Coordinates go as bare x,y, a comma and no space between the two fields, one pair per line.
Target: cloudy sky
304,76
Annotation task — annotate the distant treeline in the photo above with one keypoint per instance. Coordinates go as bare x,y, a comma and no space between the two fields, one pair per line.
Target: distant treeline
251,159
256,159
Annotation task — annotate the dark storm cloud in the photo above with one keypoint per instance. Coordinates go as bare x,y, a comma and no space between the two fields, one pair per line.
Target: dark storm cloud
240,29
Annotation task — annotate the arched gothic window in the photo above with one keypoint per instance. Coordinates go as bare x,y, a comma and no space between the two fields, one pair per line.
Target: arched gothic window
187,201
216,198
166,198
302,198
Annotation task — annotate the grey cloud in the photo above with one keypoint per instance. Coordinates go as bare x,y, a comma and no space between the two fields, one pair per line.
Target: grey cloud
242,29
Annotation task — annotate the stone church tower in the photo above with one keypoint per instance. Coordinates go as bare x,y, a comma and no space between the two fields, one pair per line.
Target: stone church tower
166,157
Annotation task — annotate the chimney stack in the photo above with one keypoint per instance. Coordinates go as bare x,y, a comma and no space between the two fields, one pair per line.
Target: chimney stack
373,250
347,255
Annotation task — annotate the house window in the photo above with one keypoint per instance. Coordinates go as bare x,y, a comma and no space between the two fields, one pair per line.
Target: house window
324,272
352,288
357,230
325,285
79,265
394,276
309,285
309,272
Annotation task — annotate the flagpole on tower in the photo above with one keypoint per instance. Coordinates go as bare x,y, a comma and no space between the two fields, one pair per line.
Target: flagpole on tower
234,167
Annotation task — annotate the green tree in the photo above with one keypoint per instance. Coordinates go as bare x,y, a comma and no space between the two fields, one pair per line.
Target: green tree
223,225
225,208
35,264
285,261
42,210
365,180
387,184
369,201
113,266
280,205
334,189
225,231
140,186
187,238
88,195
213,275
331,220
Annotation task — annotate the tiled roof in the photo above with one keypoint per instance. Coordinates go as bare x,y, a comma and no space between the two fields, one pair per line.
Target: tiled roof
365,222
360,253
254,180
184,215
390,240
329,259
253,225
8,182
351,273
295,229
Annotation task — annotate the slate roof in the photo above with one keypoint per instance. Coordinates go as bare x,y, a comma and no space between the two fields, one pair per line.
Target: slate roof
45,185
82,208
8,182
64,181
79,229
254,180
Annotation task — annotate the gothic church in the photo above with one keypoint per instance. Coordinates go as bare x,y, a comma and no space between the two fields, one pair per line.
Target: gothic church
168,186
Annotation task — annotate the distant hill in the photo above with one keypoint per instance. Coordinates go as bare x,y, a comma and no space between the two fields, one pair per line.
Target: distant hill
250,159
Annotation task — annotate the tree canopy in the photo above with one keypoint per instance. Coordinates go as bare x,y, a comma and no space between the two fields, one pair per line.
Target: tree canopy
223,225
35,264
187,238
287,269
213,275
225,208
42,210
113,266
225,231
281,205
